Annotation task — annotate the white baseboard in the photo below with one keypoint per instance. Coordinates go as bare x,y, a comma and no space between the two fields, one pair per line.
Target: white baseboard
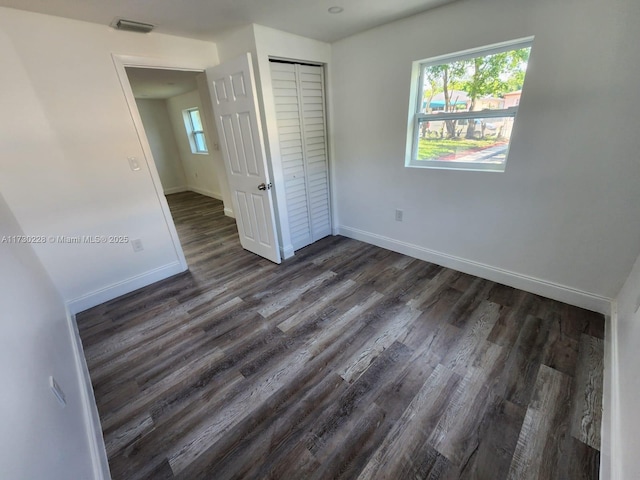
538,286
286,251
169,191
126,286
610,447
90,410
203,191
229,212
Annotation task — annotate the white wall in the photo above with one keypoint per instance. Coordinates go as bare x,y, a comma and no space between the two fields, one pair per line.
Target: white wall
66,135
166,156
562,219
236,42
202,170
39,438
626,381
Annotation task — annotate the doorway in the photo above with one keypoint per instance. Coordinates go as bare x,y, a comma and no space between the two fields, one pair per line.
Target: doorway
231,89
161,98
183,145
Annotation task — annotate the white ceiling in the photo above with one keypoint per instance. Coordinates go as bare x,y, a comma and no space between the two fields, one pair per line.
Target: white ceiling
160,84
204,19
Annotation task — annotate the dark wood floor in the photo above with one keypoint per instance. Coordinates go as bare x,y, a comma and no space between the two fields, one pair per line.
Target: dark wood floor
347,361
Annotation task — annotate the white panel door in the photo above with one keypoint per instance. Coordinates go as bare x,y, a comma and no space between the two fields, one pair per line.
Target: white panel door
300,113
235,107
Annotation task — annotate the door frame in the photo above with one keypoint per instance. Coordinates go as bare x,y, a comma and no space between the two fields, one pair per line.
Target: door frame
121,62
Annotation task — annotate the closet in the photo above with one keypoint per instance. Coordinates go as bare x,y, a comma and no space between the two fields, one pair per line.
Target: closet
300,111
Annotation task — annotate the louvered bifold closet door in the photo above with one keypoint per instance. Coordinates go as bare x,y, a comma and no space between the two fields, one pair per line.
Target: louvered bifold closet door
300,110
311,87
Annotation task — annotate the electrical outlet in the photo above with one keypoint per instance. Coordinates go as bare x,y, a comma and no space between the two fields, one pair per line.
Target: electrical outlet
57,391
399,214
137,245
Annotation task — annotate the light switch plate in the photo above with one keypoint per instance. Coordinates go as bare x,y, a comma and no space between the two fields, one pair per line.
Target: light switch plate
137,245
134,163
57,391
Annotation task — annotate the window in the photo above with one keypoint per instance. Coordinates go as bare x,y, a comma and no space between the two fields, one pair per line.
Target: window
463,107
195,131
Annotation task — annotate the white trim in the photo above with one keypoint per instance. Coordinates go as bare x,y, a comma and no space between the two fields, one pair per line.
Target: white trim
287,251
538,286
509,112
415,103
160,63
169,191
464,166
610,454
616,425
229,212
204,191
93,427
331,149
126,286
492,49
268,118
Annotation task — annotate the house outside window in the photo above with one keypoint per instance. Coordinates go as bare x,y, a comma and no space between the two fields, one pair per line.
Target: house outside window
195,130
463,107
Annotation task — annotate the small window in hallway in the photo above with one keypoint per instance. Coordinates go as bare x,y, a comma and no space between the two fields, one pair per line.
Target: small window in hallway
195,130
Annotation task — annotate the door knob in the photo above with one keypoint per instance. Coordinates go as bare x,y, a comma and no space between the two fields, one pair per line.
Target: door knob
265,186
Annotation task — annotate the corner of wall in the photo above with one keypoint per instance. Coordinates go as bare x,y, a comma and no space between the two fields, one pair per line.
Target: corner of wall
205,192
172,190
126,286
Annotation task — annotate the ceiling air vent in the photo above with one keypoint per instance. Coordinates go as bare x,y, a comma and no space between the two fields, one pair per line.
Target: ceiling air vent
131,26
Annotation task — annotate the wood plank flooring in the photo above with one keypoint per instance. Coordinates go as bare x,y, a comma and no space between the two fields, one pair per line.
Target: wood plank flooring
347,361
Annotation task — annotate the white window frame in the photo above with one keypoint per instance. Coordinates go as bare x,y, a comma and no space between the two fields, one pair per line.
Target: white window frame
415,107
192,132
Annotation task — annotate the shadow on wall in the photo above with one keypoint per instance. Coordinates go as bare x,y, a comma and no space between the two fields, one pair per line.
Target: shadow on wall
37,345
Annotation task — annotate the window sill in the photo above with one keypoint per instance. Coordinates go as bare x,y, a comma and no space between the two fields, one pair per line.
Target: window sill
465,166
